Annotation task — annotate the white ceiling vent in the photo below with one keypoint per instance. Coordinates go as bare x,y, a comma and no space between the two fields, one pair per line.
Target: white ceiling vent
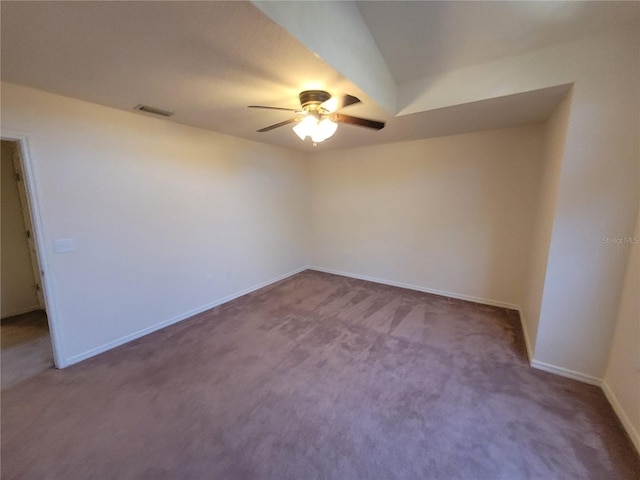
153,110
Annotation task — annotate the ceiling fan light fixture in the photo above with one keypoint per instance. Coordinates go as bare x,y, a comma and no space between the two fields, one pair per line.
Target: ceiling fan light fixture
318,130
319,118
306,127
326,128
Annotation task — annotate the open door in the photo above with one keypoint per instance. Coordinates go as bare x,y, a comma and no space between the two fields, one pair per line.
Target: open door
28,225
28,344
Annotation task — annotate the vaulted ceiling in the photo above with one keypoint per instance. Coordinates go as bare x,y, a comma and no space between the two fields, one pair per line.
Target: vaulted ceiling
206,61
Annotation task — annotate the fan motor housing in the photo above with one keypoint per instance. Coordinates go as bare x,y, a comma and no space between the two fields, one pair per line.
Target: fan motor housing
313,97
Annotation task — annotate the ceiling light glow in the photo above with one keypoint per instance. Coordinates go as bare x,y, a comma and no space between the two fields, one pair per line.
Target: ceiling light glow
318,130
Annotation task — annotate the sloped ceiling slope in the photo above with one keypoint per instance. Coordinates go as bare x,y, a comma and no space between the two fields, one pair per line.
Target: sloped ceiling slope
206,61
439,37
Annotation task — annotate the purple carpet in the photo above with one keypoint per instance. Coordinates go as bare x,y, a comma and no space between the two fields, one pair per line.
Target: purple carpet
317,377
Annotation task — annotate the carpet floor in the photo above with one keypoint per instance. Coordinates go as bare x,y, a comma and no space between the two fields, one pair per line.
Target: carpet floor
316,377
26,347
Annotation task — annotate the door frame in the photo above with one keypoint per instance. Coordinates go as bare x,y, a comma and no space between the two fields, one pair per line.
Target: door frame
33,204
28,224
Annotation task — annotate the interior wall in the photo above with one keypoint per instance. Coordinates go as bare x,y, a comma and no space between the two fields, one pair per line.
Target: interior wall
555,135
17,284
598,197
598,189
163,220
452,214
622,377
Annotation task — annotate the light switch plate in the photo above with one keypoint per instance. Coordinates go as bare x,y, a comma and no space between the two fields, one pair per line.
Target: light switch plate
64,245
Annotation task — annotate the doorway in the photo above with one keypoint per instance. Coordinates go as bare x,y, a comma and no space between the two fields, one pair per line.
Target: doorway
25,347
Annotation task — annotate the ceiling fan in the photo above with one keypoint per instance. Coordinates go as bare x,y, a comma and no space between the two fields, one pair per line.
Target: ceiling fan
317,117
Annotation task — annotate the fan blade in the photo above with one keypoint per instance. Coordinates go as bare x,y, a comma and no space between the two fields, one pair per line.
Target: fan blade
336,103
361,122
297,110
281,124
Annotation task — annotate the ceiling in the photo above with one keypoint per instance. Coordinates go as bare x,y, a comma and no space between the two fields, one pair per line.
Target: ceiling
422,39
206,61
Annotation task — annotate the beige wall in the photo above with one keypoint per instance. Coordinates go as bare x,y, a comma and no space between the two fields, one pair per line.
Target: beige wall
597,191
17,290
622,377
450,214
167,219
597,197
555,134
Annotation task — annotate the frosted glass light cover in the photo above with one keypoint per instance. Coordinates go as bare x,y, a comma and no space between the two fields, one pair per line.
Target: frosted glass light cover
319,131
306,127
327,127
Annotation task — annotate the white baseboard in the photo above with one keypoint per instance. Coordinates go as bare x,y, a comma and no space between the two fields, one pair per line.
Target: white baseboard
145,331
565,372
547,367
527,340
622,415
442,293
20,311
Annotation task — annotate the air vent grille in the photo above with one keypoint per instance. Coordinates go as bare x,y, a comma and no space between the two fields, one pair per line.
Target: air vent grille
153,110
